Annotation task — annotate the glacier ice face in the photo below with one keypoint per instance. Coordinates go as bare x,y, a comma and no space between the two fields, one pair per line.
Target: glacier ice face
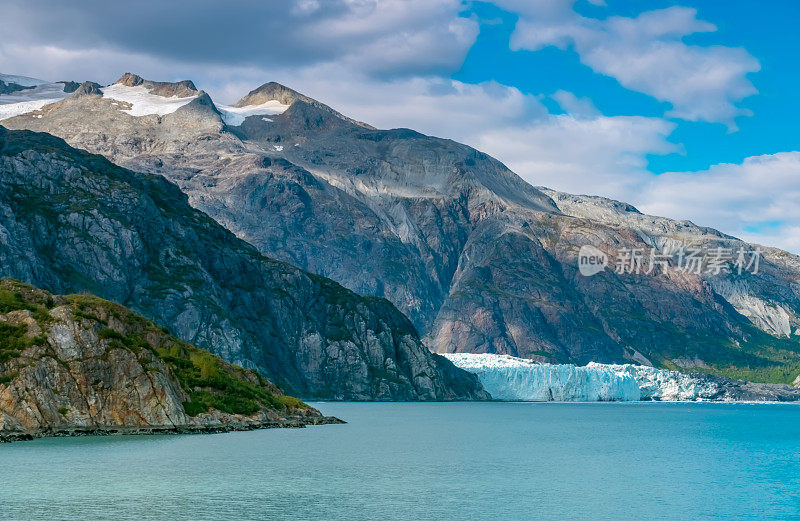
663,385
516,379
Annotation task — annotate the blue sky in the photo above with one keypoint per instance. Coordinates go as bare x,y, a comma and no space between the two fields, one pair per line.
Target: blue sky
769,34
686,109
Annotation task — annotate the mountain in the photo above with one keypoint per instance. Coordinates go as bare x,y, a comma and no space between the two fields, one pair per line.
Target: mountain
73,221
479,260
78,364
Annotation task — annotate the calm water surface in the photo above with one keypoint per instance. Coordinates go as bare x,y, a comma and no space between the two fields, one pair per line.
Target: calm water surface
431,461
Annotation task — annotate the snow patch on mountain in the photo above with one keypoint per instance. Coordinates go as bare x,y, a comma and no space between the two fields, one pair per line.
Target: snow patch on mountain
17,109
143,102
515,379
29,100
235,116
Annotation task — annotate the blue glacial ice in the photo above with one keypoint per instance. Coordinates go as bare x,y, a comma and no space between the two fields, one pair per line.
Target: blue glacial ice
516,379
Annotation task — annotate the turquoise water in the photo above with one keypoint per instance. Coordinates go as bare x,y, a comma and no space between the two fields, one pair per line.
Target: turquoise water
431,461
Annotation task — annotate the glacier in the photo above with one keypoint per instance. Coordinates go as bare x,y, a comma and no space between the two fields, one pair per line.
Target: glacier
516,379
29,100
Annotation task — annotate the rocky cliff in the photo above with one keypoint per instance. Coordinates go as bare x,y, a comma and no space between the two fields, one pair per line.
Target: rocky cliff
72,221
479,260
78,364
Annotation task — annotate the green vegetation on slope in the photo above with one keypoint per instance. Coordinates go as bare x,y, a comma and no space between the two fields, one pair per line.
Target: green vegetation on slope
210,382
759,358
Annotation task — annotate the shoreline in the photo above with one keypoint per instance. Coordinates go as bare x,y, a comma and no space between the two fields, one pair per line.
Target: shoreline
70,432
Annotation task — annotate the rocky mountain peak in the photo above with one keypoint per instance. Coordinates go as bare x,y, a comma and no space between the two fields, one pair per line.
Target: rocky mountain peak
129,80
273,91
87,88
70,86
180,89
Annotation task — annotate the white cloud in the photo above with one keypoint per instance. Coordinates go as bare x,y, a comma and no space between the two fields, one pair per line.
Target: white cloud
757,200
437,106
646,54
785,237
575,106
597,156
53,63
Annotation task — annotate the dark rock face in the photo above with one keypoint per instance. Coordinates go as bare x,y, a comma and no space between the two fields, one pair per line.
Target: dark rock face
72,86
87,88
72,221
79,364
479,260
8,88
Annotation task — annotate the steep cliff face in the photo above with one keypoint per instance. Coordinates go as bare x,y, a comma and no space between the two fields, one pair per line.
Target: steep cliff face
479,260
78,363
72,221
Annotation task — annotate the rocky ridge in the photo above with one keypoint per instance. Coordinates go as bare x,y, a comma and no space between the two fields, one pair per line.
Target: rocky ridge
179,89
273,91
77,364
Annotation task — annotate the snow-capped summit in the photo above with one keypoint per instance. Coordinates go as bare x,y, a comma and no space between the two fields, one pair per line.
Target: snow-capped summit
144,97
273,91
167,89
268,100
273,98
